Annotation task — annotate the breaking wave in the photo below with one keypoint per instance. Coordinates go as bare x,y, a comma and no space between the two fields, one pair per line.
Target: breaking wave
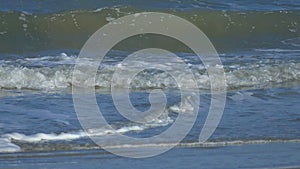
53,73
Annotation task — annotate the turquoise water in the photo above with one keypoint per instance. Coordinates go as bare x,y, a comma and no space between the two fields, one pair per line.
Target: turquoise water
258,43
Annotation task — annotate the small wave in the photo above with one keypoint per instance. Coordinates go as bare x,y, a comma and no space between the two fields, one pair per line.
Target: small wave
40,137
7,146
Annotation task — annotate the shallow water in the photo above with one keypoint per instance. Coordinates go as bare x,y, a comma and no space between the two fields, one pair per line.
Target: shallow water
258,43
249,156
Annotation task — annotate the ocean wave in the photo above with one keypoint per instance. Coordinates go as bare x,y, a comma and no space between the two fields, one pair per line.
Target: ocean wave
23,32
59,76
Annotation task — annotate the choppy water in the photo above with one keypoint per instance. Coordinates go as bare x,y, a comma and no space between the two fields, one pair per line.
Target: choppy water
258,43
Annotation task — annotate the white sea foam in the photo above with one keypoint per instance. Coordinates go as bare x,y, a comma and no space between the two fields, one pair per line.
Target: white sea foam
55,72
7,146
239,96
45,137
68,136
